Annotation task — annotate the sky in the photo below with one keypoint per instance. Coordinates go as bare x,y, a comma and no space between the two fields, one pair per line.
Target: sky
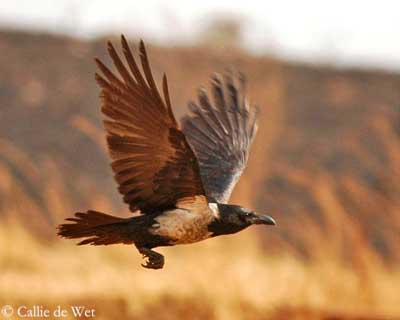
344,33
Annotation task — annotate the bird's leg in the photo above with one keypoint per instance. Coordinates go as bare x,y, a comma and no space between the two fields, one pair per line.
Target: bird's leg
154,259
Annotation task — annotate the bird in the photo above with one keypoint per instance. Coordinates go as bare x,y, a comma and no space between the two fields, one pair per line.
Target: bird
177,178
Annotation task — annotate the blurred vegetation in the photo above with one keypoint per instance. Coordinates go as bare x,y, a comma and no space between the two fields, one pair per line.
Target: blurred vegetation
325,164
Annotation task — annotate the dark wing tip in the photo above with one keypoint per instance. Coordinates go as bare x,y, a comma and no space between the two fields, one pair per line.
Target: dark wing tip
101,65
142,47
124,42
167,97
97,76
110,48
97,60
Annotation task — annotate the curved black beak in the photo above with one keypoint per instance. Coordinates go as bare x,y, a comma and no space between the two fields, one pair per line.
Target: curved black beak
263,219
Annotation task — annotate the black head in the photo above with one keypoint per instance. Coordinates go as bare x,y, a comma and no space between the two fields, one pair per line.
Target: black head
233,218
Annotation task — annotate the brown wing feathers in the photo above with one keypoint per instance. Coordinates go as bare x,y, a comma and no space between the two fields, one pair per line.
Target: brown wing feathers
153,164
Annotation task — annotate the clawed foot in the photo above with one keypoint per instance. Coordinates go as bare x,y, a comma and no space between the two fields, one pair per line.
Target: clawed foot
154,259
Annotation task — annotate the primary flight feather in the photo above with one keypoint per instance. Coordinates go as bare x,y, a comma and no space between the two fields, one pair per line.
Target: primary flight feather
179,180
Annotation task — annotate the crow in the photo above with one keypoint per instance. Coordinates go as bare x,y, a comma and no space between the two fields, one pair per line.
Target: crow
178,178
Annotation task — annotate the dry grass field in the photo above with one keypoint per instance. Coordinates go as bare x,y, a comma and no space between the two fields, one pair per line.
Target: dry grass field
326,165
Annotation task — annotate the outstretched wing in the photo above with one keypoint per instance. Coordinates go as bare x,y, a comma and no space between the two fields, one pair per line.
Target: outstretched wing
221,132
152,161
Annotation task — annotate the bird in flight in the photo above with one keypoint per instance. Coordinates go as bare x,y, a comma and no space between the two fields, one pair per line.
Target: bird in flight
179,178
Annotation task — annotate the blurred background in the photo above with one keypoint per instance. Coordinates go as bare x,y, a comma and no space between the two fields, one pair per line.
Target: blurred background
325,163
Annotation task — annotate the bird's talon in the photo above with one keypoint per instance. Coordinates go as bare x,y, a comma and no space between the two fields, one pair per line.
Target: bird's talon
154,260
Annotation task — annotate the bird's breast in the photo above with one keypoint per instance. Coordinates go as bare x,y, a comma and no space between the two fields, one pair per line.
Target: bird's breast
183,226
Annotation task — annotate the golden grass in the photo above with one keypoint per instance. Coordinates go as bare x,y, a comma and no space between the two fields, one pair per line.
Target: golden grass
227,278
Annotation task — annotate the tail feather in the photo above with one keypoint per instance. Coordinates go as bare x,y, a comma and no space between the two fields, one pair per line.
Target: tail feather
99,229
